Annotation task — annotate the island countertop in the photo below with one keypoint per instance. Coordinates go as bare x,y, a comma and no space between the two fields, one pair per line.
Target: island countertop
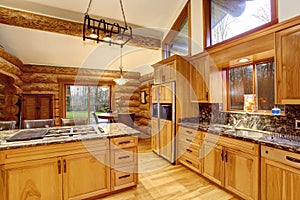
65,134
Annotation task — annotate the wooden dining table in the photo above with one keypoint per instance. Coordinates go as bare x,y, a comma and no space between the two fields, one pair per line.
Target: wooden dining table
112,117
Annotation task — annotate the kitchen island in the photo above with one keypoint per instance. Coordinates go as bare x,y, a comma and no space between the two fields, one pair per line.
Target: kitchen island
80,162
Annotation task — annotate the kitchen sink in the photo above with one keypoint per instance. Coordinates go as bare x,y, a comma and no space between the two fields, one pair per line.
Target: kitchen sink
244,133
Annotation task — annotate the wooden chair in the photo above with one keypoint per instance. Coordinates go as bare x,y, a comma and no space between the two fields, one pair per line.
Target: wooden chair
126,118
38,123
7,125
97,119
73,121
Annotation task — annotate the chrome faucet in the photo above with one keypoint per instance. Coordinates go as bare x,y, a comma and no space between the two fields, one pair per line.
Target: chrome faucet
237,122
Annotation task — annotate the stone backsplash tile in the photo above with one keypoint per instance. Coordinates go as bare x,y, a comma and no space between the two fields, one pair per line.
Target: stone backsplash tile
283,124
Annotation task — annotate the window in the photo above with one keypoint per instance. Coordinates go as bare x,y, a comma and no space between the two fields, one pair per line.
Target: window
225,19
177,40
257,79
82,100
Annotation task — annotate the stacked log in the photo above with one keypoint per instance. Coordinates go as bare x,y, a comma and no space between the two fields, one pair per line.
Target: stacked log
10,82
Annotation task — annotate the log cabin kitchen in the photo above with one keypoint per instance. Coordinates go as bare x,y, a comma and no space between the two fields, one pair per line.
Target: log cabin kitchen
190,99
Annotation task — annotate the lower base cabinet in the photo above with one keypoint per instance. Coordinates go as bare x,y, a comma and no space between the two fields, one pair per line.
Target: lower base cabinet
280,180
71,171
230,163
86,175
32,180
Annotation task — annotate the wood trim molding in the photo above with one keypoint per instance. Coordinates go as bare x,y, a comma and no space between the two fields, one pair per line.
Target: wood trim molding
35,21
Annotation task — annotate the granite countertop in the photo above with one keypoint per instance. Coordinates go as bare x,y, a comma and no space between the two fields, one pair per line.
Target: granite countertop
65,134
262,137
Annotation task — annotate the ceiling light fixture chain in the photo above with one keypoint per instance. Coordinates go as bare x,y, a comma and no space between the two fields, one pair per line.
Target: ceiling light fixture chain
88,8
124,18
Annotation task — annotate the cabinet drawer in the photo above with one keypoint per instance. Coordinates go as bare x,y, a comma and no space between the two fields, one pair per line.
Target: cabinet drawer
243,146
124,142
123,178
123,157
188,148
190,162
189,136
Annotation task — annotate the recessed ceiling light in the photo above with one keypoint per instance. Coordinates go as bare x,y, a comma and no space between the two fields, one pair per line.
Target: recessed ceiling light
243,60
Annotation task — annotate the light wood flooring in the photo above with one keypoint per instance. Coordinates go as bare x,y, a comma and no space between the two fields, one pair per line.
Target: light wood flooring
159,180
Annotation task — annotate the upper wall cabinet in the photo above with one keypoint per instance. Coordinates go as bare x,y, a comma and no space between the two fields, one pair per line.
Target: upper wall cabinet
165,72
205,80
287,43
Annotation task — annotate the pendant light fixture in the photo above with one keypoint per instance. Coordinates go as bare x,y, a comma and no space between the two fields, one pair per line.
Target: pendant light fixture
99,30
121,80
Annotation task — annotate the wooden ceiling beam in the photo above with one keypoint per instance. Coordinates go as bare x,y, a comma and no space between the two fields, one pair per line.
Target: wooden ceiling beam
40,22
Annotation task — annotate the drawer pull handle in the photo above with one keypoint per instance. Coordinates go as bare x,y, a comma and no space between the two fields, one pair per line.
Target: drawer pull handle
123,157
125,176
124,142
293,159
59,167
189,132
189,162
65,166
189,140
189,150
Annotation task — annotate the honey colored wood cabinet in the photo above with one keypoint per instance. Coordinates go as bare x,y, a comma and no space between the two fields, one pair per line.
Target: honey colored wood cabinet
154,94
63,171
213,165
37,179
242,174
124,162
166,139
232,164
85,175
280,174
205,80
154,134
165,73
189,145
199,79
166,93
288,65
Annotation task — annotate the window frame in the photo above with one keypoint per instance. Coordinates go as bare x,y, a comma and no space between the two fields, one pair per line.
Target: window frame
185,13
226,83
63,91
207,39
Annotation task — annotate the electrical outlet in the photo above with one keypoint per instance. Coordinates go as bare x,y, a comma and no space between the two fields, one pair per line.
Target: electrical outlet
297,124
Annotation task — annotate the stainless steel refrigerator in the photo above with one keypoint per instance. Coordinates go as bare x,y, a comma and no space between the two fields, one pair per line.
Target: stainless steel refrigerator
163,120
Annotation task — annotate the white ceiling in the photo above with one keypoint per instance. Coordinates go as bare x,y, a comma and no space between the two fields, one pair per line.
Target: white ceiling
39,47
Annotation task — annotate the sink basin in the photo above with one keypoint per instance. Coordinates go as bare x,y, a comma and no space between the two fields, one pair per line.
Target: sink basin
244,133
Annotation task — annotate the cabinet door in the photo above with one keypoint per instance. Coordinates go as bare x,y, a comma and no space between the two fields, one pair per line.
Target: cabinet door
40,179
37,107
199,79
155,134
279,181
86,175
213,166
241,174
166,143
166,93
288,65
158,71
155,89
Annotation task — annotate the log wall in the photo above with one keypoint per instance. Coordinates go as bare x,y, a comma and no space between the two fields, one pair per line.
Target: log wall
10,82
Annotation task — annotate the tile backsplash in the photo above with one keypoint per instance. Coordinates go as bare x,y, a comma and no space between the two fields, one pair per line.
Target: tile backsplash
283,124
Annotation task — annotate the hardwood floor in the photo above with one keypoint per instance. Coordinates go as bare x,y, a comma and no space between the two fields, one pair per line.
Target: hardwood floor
159,180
